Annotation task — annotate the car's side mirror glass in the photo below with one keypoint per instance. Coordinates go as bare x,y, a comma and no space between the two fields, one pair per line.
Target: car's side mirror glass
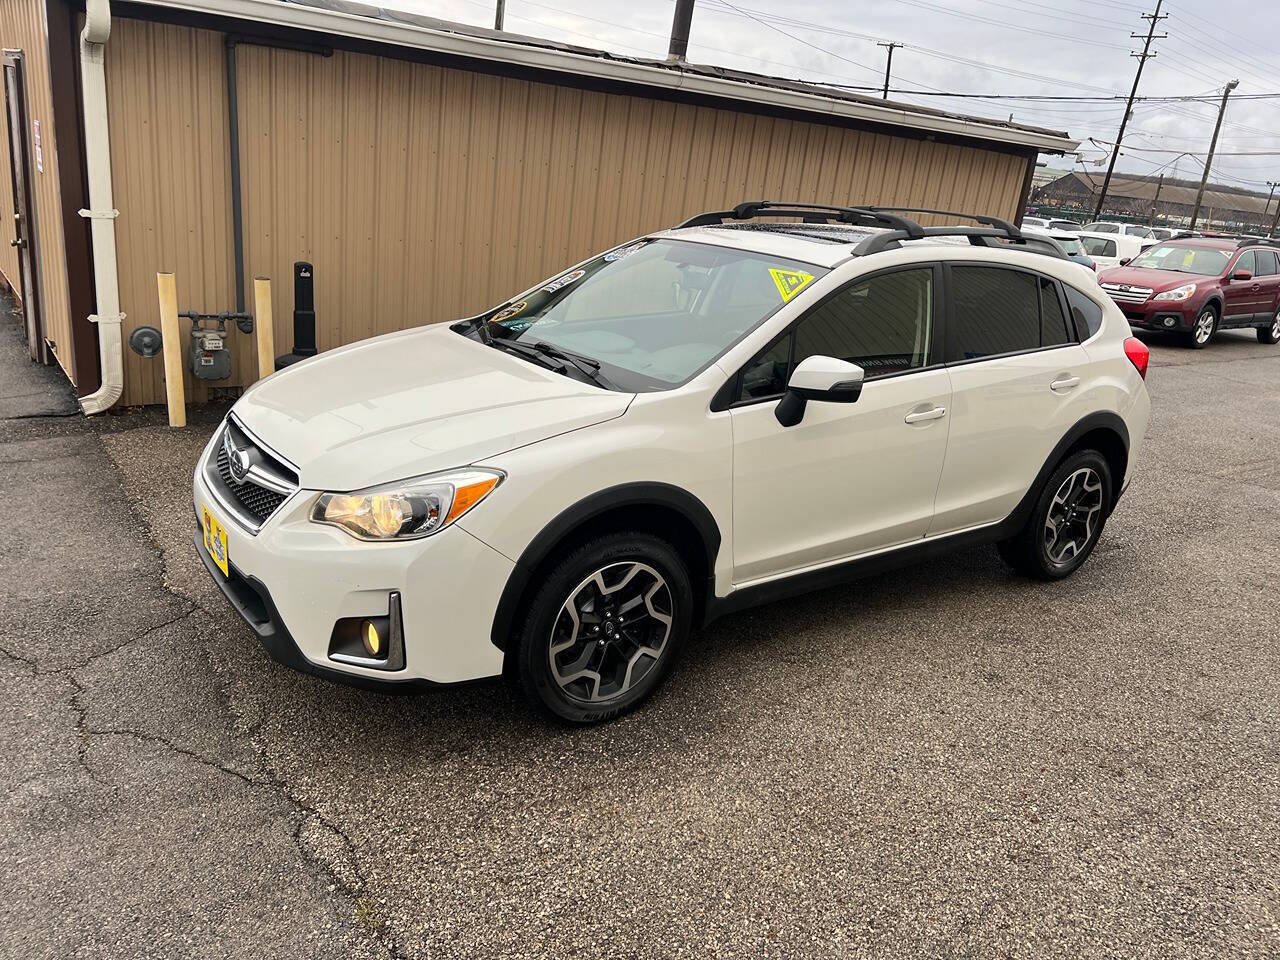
823,379
1125,261
1242,275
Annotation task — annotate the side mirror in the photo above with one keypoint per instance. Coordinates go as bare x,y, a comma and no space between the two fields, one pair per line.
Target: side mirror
1125,261
819,378
1242,275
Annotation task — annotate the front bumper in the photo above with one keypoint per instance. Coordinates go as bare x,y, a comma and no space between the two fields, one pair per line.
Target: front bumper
1159,314
295,579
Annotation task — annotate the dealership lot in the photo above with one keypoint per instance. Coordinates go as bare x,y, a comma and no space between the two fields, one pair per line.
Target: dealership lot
943,760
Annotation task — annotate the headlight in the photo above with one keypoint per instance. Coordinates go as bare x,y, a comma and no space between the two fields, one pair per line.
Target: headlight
1183,292
409,509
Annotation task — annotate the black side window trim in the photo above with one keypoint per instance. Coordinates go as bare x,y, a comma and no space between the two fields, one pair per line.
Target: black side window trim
726,397
950,323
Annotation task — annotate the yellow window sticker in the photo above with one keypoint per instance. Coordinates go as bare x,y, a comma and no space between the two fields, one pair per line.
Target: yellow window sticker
1189,258
789,282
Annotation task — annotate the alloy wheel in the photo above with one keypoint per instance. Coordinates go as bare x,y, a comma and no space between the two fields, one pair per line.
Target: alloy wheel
611,632
1275,326
1074,515
1204,327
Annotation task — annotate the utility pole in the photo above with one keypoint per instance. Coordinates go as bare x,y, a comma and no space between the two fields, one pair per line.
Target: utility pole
680,30
498,13
1155,200
1143,57
888,65
1265,209
1208,161
1275,221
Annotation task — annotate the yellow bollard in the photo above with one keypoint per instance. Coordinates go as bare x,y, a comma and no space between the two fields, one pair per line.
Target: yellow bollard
262,326
171,335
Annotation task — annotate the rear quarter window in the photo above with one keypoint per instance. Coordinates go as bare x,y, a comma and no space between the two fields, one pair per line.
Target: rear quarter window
1084,311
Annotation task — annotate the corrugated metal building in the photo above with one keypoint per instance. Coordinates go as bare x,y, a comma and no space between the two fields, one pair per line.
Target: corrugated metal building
427,169
1137,195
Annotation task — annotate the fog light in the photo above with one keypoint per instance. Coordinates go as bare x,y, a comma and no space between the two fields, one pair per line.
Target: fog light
372,639
1170,321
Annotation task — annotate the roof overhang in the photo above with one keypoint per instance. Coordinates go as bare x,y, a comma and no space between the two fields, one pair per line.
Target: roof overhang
557,60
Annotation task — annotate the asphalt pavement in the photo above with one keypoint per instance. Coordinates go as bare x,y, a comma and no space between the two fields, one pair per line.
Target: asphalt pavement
942,761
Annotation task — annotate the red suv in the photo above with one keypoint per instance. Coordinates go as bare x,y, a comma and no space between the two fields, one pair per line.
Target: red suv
1200,285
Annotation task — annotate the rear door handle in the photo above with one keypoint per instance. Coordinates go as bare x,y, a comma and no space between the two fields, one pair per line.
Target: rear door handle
1065,384
937,413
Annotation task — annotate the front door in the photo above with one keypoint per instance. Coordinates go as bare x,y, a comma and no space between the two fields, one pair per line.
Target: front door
15,101
849,478
1244,297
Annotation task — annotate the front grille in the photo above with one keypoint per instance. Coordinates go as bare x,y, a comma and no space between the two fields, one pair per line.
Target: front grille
259,502
253,499
1128,295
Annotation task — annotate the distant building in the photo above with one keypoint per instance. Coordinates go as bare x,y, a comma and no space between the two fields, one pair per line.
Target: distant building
1134,197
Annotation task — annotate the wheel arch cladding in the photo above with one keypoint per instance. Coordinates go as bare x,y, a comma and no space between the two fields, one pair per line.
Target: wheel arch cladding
661,509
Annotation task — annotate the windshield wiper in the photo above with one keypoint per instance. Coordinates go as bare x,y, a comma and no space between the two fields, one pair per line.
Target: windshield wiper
481,326
589,366
547,355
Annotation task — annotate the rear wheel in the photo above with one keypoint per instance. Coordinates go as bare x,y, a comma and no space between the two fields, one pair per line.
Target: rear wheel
1206,326
1066,521
1270,334
602,631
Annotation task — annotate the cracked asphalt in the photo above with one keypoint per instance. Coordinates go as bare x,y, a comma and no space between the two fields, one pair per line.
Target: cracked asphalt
942,761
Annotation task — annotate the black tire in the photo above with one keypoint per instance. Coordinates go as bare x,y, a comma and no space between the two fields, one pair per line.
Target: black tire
1270,334
638,571
1031,552
1205,327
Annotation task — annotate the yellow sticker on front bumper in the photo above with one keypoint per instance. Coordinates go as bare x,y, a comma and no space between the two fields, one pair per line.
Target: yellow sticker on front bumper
789,282
215,540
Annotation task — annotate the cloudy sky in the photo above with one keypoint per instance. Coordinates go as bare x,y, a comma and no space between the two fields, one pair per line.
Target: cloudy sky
1076,48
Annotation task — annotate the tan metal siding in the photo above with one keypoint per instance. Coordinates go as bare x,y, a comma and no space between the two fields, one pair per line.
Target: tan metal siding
422,194
22,27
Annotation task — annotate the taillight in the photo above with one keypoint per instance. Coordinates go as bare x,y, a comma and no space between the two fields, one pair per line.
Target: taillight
1095,266
1138,355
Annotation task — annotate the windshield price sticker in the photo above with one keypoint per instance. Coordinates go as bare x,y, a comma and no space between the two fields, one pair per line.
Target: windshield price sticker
789,282
624,252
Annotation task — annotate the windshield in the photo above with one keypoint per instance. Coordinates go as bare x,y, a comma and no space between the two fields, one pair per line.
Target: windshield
1203,261
1071,245
654,313
1101,227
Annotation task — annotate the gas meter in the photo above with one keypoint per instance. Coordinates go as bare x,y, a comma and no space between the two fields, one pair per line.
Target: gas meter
208,357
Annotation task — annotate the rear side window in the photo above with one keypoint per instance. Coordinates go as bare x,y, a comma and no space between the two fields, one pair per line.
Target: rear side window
996,311
1099,247
1266,261
1086,313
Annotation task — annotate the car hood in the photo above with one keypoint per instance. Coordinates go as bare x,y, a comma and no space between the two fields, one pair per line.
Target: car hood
1157,280
413,403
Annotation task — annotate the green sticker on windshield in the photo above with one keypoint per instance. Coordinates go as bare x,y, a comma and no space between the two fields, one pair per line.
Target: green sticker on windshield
789,282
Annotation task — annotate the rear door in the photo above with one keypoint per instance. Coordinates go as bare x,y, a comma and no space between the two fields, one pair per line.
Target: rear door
1268,277
1016,373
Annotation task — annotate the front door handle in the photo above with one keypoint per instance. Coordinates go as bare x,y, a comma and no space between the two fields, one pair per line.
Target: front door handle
937,413
1064,384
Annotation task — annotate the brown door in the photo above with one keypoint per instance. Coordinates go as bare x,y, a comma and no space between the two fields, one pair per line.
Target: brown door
24,225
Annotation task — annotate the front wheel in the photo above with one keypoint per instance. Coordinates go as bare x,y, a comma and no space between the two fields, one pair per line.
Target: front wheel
1270,334
1066,521
604,628
1203,331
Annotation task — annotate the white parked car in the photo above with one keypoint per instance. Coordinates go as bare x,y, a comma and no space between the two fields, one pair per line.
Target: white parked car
565,487
1112,249
1123,229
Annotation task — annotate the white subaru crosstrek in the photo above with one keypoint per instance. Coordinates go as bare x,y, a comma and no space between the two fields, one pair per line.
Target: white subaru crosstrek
705,418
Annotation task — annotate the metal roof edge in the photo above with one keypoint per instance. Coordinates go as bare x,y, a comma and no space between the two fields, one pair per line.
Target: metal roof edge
404,34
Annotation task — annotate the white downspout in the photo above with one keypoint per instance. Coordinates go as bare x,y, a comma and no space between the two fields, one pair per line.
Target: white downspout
102,214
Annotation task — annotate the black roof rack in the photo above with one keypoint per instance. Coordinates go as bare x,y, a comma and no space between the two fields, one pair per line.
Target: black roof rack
992,231
1260,242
